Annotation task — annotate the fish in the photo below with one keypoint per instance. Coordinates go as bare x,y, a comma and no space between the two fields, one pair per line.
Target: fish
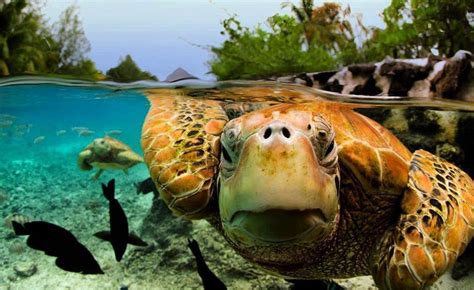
146,186
77,129
60,132
133,239
39,139
209,279
118,221
85,133
53,240
6,123
7,117
300,284
113,133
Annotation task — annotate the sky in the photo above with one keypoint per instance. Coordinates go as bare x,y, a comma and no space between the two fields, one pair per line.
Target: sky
162,35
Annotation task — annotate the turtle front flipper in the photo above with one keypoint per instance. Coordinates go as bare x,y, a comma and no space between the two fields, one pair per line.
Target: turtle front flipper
180,140
436,224
83,159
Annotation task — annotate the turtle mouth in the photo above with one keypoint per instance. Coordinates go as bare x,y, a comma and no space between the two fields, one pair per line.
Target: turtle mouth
278,225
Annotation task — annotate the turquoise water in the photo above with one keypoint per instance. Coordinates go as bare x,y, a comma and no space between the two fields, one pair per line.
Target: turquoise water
40,179
50,108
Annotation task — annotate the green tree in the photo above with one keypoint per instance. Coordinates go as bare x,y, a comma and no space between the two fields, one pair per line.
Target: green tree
128,71
29,45
73,45
258,53
304,15
22,45
416,28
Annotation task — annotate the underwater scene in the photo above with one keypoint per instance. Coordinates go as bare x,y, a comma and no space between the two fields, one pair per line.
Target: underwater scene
238,185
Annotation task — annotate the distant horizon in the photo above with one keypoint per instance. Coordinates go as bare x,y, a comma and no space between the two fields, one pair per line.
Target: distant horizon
162,35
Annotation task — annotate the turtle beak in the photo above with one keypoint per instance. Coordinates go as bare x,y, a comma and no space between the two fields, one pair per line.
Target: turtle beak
279,193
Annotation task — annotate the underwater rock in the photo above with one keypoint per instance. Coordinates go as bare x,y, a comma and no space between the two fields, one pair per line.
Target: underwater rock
450,152
465,139
422,121
25,269
4,286
379,114
160,220
464,264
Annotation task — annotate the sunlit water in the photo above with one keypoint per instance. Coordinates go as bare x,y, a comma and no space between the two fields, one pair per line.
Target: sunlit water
39,176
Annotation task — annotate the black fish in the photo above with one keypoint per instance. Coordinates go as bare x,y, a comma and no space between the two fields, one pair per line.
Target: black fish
55,241
118,221
209,279
146,186
314,285
132,238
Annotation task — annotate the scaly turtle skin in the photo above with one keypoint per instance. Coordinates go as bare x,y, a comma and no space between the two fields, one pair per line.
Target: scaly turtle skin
107,153
311,189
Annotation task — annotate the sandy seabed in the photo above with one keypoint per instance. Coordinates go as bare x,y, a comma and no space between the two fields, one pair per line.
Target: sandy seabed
55,190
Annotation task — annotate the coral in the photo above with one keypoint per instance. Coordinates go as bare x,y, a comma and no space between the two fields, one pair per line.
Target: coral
25,269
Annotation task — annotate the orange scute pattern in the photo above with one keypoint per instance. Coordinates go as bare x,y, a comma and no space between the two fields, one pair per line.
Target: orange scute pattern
178,138
436,225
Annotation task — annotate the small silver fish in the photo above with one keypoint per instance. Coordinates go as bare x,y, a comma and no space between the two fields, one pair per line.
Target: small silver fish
5,123
77,129
39,139
113,133
85,133
60,132
7,117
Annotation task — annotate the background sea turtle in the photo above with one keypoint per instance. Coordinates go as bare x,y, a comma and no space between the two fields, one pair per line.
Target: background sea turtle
309,190
107,153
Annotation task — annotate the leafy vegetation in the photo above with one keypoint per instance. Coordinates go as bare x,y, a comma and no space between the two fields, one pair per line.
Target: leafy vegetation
128,71
28,45
324,37
260,53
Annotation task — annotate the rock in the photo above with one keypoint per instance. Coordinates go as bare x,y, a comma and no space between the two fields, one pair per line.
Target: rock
423,121
449,152
160,220
430,77
25,269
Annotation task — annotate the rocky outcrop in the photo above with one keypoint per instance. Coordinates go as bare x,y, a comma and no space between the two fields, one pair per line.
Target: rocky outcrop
431,77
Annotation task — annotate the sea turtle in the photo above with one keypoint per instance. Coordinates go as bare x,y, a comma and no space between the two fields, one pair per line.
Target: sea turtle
309,189
107,153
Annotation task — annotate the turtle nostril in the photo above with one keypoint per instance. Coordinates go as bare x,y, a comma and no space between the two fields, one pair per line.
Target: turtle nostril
267,133
286,133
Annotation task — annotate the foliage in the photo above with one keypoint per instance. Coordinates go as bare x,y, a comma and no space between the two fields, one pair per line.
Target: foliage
255,54
70,37
20,39
323,37
128,71
29,45
416,28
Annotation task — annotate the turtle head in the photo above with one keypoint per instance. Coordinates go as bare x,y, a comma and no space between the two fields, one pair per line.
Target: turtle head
279,179
101,146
